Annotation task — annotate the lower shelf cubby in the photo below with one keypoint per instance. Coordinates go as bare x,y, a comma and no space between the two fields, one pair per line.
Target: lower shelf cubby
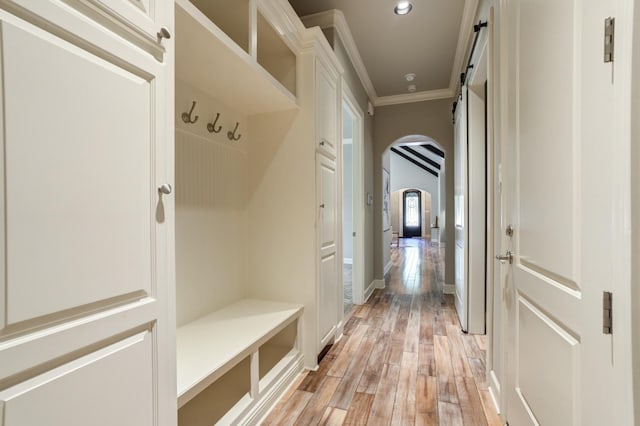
276,354
223,398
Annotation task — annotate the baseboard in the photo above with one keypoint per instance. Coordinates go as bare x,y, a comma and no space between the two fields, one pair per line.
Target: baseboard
449,289
347,261
494,390
273,394
369,291
387,268
379,284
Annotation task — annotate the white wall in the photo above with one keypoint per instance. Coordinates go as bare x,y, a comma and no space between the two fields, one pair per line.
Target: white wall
407,175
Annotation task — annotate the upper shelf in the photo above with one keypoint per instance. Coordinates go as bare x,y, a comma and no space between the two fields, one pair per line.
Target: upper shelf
207,58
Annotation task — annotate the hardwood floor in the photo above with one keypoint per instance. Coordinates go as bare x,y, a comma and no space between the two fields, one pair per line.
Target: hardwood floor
403,359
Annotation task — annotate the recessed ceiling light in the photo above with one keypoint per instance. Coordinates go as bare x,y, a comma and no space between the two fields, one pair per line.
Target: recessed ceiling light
410,77
402,8
412,88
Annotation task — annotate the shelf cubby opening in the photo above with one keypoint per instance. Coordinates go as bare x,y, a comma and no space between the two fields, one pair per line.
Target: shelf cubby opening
275,56
225,396
231,16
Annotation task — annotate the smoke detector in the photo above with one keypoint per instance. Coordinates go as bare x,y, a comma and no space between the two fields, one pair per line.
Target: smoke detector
410,77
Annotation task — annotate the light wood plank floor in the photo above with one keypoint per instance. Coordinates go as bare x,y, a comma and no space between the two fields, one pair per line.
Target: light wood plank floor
403,359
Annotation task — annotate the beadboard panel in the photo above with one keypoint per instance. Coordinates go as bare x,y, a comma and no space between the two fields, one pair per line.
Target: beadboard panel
211,213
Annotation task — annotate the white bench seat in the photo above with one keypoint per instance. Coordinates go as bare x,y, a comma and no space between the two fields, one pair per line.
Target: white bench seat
210,346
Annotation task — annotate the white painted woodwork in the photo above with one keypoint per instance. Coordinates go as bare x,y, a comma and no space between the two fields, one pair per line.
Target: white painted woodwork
495,227
86,236
470,209
211,207
461,205
274,55
54,219
210,60
230,16
210,346
477,213
565,199
327,111
142,15
98,379
327,188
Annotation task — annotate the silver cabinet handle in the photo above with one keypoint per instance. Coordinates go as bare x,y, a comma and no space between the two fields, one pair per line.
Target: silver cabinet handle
504,258
164,33
165,189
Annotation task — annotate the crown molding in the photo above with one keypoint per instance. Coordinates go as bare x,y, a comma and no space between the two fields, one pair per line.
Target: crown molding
335,18
464,40
428,95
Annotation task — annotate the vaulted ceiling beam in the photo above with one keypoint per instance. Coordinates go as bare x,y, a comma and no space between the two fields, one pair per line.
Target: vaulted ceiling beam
416,162
421,157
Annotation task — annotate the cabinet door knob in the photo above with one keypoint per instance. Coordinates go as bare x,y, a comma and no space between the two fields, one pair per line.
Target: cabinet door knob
164,33
322,206
165,189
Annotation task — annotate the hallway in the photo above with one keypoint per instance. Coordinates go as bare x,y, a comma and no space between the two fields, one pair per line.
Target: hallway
403,359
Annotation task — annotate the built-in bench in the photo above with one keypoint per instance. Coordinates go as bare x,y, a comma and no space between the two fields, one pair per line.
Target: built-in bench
231,362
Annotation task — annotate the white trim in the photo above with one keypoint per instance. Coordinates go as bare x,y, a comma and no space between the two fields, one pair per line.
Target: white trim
428,95
387,268
379,284
335,18
268,399
494,391
274,395
464,37
351,102
449,289
369,290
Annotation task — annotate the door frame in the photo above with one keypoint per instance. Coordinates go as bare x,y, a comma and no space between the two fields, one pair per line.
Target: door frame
350,101
404,210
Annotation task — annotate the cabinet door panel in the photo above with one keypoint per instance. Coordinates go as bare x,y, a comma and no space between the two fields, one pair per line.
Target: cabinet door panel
326,111
62,396
327,182
85,237
78,184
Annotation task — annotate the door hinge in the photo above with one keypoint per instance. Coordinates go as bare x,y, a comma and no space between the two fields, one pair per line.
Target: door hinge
354,234
609,38
607,312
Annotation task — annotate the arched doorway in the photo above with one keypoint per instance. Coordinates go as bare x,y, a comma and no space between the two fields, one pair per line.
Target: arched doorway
412,214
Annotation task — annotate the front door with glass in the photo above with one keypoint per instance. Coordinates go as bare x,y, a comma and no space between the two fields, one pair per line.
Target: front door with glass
412,223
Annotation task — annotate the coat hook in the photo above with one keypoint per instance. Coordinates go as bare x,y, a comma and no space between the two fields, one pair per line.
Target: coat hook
211,127
232,135
186,117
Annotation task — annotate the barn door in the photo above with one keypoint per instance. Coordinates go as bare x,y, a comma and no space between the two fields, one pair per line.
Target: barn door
85,330
561,193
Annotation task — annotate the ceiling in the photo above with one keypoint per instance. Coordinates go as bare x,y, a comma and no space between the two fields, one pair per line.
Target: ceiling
425,155
428,42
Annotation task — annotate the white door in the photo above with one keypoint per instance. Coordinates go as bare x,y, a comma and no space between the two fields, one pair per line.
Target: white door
328,302
85,331
461,210
566,200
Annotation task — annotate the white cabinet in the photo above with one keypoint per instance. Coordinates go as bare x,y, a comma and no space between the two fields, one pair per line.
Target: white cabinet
86,240
328,301
326,110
